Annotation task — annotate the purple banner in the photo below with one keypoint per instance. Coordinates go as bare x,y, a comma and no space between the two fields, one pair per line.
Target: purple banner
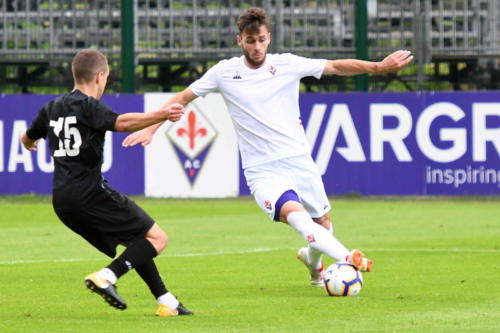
368,144
404,143
25,172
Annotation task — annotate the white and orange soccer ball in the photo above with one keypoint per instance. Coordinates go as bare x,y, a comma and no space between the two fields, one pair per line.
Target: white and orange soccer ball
342,279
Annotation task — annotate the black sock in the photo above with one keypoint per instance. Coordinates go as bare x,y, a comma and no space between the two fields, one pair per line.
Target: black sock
149,273
136,254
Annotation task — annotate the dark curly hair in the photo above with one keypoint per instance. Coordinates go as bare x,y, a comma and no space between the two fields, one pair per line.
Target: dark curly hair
251,20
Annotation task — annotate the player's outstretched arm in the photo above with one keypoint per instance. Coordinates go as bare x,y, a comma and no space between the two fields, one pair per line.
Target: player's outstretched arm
393,62
28,143
145,136
129,122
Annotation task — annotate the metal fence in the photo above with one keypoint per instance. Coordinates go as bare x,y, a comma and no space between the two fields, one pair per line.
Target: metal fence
167,30
34,30
207,28
436,28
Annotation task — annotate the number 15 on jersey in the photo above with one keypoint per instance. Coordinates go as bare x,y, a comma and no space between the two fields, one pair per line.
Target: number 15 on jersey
70,134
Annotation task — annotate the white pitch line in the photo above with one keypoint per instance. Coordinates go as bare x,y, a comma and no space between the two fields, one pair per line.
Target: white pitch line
14,262
435,250
260,250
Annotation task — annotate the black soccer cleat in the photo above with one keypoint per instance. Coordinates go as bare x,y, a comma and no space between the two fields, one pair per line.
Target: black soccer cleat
183,310
106,290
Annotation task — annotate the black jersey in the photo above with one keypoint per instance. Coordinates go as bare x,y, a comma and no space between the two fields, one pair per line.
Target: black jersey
75,124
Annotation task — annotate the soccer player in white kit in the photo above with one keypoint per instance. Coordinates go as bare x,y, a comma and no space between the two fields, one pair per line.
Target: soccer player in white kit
261,92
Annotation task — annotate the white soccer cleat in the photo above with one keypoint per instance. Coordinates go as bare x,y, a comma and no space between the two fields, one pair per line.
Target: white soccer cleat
358,260
316,273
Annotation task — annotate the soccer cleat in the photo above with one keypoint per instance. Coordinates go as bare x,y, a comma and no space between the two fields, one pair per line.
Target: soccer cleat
167,311
105,289
358,260
315,273
183,311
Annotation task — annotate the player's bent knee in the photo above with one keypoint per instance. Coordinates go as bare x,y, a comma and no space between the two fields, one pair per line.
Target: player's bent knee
324,221
288,208
162,241
288,202
165,240
159,243
157,237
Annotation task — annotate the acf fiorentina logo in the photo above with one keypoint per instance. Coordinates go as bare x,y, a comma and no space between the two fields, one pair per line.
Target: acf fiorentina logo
192,137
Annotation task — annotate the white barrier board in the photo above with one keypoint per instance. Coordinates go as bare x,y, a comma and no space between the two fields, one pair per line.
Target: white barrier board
196,157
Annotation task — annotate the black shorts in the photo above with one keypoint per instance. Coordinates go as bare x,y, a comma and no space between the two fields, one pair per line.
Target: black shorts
108,220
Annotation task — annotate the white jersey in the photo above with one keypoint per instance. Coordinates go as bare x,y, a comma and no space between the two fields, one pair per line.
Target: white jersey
263,103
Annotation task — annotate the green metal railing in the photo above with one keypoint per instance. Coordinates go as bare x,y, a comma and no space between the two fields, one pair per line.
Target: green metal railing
131,32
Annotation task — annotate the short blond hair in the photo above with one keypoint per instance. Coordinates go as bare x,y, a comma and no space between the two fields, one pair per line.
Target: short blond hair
86,64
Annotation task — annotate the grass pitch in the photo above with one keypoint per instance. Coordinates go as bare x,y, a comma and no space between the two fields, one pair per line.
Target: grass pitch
437,269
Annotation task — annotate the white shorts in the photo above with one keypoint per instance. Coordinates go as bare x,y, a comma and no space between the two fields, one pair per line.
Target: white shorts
300,174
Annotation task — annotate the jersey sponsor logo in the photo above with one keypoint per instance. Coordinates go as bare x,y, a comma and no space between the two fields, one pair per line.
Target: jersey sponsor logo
272,70
192,138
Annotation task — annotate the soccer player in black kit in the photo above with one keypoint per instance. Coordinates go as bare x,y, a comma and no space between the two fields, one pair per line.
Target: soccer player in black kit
75,124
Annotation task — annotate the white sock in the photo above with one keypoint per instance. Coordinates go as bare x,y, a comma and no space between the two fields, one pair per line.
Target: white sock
314,255
318,237
108,274
169,300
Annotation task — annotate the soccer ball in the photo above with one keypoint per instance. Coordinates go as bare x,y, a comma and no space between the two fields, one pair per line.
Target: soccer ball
342,279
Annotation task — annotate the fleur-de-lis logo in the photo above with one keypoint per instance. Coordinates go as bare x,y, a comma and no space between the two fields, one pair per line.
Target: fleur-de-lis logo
191,131
192,138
